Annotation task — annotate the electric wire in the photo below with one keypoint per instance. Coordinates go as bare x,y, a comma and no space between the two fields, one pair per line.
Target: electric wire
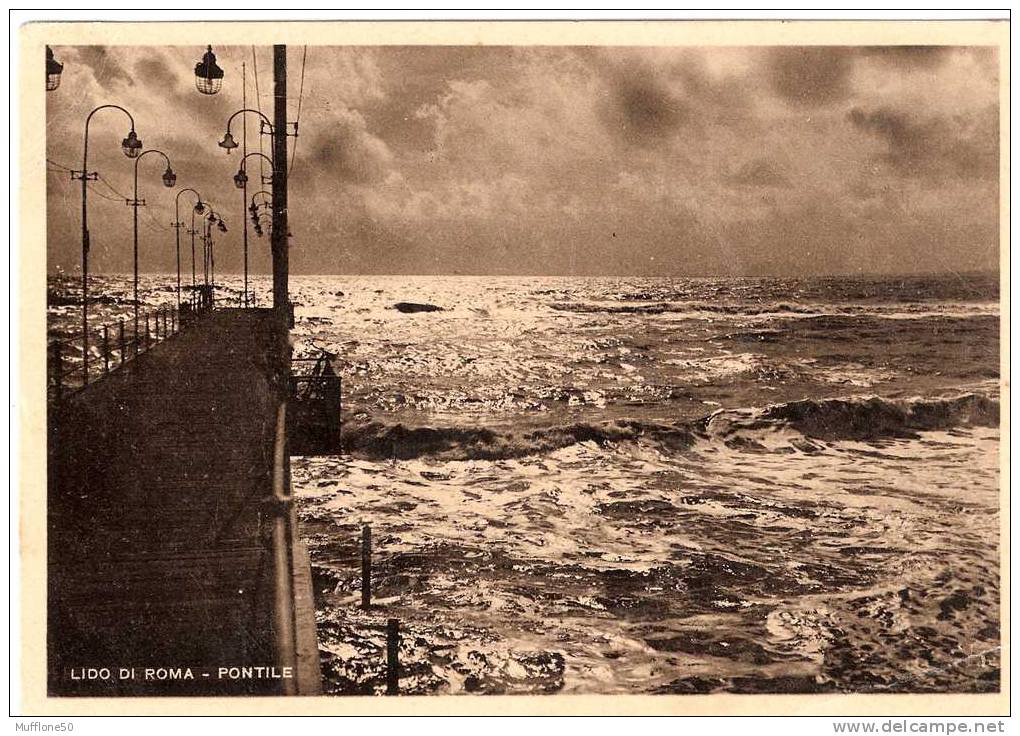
301,94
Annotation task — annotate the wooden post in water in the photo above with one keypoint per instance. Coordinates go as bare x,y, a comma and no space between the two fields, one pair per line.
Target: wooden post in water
392,657
366,566
106,349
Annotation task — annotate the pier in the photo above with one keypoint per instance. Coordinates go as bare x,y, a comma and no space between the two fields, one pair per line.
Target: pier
175,561
173,540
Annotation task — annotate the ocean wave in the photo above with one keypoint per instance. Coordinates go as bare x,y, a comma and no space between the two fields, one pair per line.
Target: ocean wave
380,441
826,420
857,418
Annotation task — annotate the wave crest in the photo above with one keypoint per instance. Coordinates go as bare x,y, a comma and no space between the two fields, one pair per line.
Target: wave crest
826,420
858,418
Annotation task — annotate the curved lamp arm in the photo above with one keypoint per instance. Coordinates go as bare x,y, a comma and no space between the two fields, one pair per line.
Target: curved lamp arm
177,201
169,169
241,177
267,121
228,141
146,153
85,150
244,165
264,203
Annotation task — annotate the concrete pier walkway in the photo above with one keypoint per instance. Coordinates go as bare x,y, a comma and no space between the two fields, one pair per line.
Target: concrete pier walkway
165,544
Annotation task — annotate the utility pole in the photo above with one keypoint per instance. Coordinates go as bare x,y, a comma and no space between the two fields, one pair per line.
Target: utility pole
280,245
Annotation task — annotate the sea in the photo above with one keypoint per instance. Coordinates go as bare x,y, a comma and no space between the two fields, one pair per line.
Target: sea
649,485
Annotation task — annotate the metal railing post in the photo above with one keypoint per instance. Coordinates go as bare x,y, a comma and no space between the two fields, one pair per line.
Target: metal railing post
106,349
123,342
148,336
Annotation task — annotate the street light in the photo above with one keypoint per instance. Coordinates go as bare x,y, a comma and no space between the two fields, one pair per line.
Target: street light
228,141
169,178
212,219
199,207
205,247
208,75
53,70
255,208
131,147
241,182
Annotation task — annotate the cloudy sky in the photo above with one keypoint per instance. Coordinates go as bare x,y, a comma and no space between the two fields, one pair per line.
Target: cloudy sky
775,161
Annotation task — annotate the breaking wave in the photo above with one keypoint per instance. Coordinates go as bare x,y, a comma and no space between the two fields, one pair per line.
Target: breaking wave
827,420
859,418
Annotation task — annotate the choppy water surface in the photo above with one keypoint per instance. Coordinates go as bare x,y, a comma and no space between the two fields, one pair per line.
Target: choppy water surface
655,485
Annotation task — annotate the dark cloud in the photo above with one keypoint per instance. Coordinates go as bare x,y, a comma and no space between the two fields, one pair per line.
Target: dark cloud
154,70
810,75
105,70
908,56
962,145
819,75
343,147
649,98
905,137
646,108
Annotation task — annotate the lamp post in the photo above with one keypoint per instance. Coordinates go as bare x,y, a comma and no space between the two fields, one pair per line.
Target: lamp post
53,71
199,207
213,218
241,177
193,232
280,246
169,179
132,147
241,182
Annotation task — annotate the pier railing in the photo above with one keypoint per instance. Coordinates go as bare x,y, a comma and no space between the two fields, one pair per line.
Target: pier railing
203,297
315,405
110,347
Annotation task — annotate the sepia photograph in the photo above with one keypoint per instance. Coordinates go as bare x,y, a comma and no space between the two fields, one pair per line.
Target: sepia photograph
522,368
